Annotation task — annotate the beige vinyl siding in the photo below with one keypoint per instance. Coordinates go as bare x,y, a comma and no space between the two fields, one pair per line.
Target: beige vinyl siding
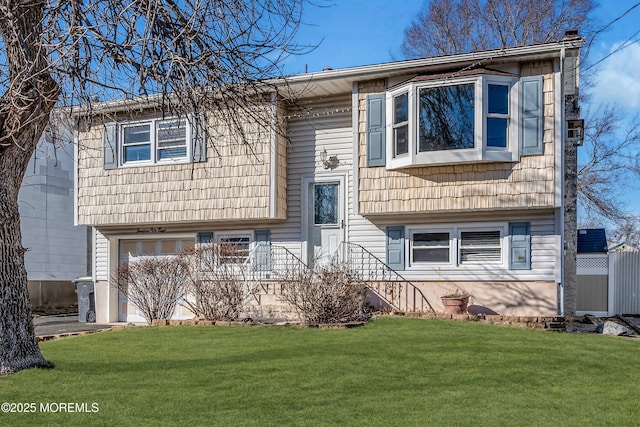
528,183
232,185
312,127
544,244
101,256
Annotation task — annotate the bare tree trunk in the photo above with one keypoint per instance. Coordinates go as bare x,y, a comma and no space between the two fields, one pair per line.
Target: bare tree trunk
25,106
18,346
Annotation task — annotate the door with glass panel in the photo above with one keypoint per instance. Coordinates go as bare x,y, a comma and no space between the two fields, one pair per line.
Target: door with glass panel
326,222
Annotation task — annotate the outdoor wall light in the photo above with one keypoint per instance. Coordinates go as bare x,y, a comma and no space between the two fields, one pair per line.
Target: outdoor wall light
328,162
324,158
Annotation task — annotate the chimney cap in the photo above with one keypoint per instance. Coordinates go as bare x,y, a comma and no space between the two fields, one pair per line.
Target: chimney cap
571,34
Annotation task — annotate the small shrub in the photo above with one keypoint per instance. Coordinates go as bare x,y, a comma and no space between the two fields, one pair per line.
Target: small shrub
328,294
154,285
217,288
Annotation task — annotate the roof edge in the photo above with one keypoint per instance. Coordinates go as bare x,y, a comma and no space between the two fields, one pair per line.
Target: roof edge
539,51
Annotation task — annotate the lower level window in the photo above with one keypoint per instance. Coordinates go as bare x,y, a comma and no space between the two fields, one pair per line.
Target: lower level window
234,249
456,246
431,247
477,247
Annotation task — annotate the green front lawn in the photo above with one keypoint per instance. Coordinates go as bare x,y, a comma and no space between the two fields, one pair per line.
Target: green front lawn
391,372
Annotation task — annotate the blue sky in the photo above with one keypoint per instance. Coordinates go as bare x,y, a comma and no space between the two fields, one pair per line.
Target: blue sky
362,32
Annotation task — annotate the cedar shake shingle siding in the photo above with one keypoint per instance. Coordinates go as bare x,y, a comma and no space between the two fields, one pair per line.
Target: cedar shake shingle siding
232,185
528,183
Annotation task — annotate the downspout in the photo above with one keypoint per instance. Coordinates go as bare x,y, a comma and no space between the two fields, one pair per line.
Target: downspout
562,187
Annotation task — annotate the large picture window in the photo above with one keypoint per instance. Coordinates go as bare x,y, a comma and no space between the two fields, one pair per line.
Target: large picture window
460,120
446,118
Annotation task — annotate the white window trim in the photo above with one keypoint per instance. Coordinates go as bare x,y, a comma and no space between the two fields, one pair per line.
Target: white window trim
153,123
480,152
503,244
455,232
452,250
219,235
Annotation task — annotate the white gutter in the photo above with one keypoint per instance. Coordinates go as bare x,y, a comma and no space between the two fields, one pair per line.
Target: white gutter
562,187
542,51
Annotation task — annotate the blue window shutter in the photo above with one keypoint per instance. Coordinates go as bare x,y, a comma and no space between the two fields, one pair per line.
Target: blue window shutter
205,238
520,235
376,130
199,137
262,258
531,116
110,146
395,247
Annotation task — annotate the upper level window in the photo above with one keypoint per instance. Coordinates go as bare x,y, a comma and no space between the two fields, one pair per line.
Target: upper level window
446,118
137,143
460,120
401,124
497,115
155,141
171,140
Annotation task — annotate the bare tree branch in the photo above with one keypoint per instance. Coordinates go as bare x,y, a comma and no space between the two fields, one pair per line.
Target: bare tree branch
180,57
448,27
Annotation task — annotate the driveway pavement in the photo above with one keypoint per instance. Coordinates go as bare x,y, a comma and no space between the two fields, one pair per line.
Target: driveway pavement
64,324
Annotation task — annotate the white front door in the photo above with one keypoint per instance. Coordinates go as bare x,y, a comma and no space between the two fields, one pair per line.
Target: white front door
325,220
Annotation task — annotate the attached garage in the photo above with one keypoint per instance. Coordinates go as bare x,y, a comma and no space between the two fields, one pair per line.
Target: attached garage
130,251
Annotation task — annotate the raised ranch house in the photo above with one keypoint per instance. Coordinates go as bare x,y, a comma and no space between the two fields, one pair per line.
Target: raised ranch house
425,175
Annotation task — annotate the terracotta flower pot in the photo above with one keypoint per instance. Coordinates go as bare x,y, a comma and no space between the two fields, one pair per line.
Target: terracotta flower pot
456,305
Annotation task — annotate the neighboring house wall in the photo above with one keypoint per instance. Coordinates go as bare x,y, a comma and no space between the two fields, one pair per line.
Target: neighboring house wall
57,250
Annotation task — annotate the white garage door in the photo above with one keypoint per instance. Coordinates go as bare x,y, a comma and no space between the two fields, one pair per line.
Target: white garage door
132,250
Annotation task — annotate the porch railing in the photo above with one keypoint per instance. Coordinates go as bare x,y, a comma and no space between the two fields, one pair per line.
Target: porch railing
383,281
268,265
